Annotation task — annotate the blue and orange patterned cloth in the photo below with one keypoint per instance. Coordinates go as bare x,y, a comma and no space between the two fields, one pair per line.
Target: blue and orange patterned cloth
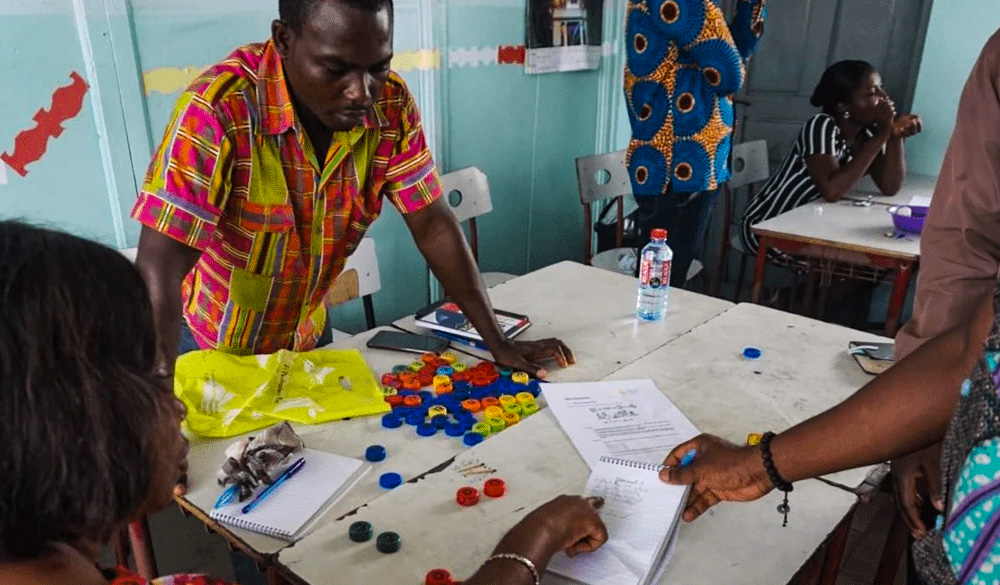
237,178
684,63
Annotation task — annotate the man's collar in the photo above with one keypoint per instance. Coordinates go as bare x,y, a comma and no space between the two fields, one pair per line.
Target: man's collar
277,115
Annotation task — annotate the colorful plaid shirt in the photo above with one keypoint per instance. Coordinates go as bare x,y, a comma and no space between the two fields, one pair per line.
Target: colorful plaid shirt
236,178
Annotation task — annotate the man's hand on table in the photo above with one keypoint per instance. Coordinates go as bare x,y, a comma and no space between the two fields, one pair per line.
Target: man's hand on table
916,478
527,356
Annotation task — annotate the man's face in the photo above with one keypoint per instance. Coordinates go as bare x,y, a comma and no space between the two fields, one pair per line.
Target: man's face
337,64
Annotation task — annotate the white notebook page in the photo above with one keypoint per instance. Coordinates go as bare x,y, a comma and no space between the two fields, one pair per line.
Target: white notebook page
640,513
289,508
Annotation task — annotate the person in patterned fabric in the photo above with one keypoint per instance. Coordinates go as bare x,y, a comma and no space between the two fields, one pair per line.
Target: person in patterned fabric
684,64
954,377
91,438
274,164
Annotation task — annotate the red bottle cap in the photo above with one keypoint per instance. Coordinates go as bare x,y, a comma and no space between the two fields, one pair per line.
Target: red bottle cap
467,496
438,577
495,488
659,234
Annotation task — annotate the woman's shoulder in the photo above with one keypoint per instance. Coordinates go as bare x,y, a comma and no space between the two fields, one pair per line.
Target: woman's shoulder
56,567
822,122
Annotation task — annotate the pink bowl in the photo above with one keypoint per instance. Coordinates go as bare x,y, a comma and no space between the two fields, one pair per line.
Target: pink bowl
912,224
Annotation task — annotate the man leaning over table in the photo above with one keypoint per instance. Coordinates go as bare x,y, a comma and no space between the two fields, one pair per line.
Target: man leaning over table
274,164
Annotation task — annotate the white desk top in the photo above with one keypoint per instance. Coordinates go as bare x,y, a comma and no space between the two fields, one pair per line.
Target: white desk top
804,370
915,185
593,312
701,372
834,228
411,455
591,309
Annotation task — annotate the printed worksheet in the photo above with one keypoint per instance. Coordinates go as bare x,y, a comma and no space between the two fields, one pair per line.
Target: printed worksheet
629,419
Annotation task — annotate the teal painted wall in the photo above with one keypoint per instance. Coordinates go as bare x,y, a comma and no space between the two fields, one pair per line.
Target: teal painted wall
956,33
524,131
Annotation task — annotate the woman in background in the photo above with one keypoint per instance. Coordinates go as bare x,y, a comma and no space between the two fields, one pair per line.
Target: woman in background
91,439
857,134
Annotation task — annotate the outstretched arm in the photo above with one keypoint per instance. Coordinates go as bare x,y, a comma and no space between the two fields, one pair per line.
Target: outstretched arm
901,411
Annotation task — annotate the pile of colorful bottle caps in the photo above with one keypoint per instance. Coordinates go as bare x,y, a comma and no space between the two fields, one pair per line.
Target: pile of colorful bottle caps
440,393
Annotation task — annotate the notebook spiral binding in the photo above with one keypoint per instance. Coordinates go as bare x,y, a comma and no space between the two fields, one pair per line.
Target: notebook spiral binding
633,464
251,526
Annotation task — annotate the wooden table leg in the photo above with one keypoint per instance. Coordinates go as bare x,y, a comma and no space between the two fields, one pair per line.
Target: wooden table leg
900,286
142,548
758,275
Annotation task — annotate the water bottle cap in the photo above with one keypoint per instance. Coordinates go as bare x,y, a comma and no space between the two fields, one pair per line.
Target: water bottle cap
659,234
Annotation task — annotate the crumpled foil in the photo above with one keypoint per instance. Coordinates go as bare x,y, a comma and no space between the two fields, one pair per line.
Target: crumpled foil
259,459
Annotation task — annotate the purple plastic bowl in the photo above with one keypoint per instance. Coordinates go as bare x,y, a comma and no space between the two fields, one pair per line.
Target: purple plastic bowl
914,224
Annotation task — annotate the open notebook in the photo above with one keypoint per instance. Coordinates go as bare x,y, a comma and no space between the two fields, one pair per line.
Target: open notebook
641,514
284,514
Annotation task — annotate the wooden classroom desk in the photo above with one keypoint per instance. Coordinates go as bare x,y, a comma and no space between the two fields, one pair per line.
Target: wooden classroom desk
804,370
591,309
842,232
593,312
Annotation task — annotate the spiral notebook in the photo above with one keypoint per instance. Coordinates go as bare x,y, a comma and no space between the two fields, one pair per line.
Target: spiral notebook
641,514
286,512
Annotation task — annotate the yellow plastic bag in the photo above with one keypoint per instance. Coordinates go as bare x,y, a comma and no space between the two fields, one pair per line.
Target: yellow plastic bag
228,395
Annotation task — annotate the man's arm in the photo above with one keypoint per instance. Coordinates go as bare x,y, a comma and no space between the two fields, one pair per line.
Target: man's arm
439,237
905,409
748,26
179,205
960,244
164,263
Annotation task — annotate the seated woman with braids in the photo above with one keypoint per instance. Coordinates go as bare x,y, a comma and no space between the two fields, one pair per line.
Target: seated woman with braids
91,439
857,134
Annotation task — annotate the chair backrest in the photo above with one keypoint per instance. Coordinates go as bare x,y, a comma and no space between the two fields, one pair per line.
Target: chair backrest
364,261
750,164
467,192
602,176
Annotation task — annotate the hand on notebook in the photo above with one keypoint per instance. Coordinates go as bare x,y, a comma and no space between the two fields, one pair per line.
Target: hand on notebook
719,472
527,356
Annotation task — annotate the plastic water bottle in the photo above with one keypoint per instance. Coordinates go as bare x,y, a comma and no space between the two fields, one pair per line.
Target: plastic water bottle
654,278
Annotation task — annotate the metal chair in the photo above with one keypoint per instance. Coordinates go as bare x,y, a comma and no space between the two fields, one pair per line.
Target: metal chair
601,177
359,279
750,166
468,194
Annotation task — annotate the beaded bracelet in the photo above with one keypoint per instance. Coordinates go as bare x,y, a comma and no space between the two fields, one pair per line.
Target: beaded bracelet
772,473
520,559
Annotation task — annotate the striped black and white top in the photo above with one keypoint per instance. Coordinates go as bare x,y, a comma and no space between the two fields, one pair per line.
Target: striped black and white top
792,185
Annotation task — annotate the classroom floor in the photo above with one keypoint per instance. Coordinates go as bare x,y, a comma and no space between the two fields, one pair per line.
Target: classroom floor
183,546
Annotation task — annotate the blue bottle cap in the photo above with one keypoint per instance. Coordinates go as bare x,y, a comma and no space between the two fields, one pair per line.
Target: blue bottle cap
375,453
472,439
415,418
426,395
426,430
440,421
389,481
752,353
391,421
455,429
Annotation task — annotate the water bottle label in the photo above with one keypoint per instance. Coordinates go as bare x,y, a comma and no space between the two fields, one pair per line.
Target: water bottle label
648,278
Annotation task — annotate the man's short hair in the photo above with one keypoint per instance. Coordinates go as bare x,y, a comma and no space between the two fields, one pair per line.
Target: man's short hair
295,13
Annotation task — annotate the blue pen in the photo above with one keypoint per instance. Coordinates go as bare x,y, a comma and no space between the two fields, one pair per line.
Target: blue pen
227,496
688,458
284,477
